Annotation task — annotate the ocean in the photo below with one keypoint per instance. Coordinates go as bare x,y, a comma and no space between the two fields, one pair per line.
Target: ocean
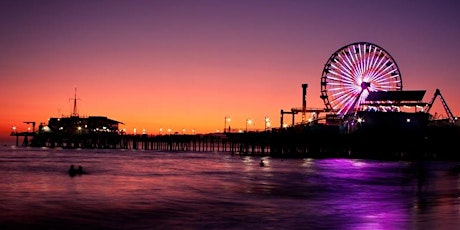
135,189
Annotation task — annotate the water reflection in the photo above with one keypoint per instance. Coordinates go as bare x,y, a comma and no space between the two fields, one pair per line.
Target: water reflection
145,190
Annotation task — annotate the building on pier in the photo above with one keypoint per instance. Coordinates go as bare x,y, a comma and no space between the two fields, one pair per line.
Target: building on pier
80,125
74,131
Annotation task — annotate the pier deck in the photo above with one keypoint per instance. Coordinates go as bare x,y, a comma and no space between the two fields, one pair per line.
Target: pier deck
431,142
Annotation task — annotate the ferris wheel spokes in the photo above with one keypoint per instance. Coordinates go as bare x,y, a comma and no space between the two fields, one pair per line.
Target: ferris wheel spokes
355,70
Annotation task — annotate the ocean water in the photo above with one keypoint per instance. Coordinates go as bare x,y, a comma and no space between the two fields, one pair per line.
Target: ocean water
127,189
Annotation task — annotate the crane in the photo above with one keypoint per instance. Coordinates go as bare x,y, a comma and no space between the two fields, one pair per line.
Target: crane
437,93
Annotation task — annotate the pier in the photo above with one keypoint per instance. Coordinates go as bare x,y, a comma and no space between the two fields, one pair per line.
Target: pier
376,132
376,119
253,143
435,141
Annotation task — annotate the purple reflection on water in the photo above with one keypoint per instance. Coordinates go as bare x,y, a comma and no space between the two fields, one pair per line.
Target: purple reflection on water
145,190
361,194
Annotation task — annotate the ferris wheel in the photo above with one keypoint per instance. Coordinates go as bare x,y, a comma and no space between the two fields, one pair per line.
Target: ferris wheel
355,70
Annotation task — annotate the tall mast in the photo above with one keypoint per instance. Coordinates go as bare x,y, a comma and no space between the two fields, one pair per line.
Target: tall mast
75,112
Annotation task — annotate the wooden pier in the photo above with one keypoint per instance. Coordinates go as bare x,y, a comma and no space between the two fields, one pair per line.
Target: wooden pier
309,141
253,143
25,137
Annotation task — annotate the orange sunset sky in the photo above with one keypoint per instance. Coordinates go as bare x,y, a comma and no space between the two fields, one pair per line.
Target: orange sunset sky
189,64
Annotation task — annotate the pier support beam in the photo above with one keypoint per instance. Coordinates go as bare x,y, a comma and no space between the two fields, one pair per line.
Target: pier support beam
282,117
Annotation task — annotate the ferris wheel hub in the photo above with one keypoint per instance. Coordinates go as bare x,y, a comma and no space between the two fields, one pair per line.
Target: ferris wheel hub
365,85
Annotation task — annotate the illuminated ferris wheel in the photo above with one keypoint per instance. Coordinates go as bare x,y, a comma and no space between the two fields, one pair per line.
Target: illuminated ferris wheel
355,70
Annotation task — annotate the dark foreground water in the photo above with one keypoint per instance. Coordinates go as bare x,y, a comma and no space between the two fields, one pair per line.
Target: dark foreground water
127,189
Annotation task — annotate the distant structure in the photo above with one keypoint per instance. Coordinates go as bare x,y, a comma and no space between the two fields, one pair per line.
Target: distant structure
63,130
74,111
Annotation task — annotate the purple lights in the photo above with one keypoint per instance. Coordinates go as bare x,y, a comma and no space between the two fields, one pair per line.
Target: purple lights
355,70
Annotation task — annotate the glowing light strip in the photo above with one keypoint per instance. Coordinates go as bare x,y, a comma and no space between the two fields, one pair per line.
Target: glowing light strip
368,60
359,68
362,62
341,69
380,63
348,63
374,59
342,75
351,74
340,78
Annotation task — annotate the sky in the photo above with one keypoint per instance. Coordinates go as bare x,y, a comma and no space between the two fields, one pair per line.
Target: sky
186,65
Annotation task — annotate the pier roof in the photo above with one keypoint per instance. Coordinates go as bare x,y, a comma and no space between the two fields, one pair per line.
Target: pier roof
408,95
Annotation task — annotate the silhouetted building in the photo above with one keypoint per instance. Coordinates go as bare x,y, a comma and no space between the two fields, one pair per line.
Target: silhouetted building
80,125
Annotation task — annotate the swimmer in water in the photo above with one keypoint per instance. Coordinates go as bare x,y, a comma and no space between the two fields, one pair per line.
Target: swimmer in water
72,170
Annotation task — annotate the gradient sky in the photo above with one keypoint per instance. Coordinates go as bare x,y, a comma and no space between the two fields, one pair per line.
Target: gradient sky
188,64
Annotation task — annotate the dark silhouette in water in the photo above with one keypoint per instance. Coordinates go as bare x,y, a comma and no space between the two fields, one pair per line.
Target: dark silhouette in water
74,171
80,170
262,164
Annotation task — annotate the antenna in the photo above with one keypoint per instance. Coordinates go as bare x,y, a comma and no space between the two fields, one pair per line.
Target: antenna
75,111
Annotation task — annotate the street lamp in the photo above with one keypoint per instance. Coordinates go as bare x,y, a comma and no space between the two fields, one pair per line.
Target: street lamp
227,120
267,123
248,122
